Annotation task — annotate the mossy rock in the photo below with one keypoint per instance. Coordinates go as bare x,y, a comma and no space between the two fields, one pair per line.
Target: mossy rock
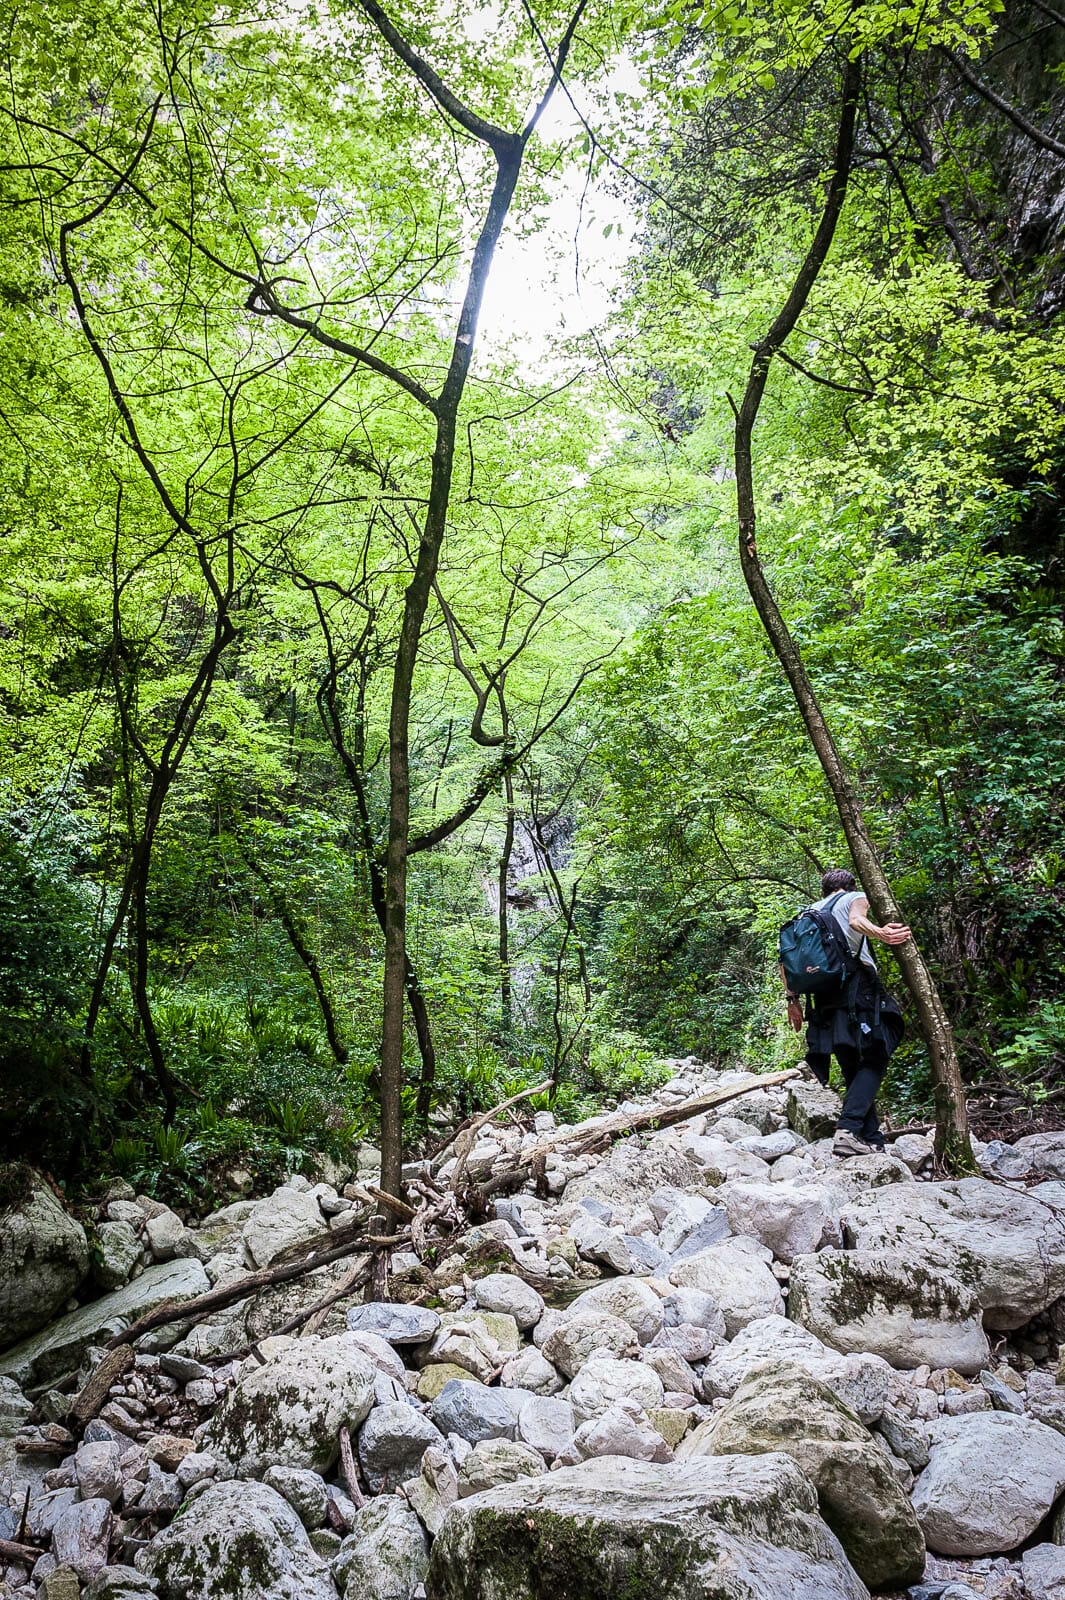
432,1378
782,1407
614,1529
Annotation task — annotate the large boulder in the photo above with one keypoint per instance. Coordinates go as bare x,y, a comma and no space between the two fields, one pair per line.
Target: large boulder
59,1348
860,1381
990,1480
496,1461
737,1278
576,1335
780,1407
630,1299
282,1220
385,1555
473,1411
398,1324
502,1291
602,1381
790,1219
237,1541
289,1411
393,1440
723,1528
119,1251
1005,1246
888,1304
633,1171
44,1254
813,1109
1045,1152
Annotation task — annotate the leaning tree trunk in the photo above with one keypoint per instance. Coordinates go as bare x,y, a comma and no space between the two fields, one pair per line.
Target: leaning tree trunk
952,1128
506,996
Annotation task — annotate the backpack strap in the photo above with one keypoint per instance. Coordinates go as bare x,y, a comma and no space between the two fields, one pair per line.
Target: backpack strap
828,911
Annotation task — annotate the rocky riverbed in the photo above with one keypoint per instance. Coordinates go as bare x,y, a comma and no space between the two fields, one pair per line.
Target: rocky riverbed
713,1363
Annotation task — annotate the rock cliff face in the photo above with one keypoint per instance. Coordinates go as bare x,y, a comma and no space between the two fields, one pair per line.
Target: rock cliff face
712,1361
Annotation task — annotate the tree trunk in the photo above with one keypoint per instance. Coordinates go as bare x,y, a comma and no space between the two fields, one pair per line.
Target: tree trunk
352,760
952,1130
508,149
506,999
415,602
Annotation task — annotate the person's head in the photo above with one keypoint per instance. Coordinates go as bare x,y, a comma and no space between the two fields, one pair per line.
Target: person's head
836,880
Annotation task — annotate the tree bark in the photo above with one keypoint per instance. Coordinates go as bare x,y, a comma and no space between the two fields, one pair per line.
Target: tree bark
508,150
352,760
506,999
415,603
952,1129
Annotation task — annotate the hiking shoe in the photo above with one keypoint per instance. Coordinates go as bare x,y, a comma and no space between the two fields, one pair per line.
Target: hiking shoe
848,1144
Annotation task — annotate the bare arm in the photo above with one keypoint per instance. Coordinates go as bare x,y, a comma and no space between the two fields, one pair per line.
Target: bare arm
793,1002
890,933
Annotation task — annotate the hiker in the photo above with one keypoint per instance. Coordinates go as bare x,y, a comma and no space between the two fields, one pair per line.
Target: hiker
855,1019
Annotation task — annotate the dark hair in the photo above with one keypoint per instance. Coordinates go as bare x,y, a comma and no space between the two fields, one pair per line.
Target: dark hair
835,880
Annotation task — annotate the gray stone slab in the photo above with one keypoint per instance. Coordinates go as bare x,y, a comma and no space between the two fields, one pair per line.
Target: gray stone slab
58,1349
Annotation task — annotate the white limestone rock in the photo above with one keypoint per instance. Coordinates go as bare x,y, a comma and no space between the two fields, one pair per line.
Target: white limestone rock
119,1252
44,1257
237,1541
603,1380
742,1527
736,1278
781,1407
59,1348
281,1221
885,1303
495,1461
623,1429
547,1423
289,1411
1001,1243
575,1336
529,1370
629,1299
989,1482
860,1381
391,1445
502,1291
791,1219
386,1554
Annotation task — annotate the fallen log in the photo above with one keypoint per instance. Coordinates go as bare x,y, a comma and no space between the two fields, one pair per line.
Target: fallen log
583,1140
89,1400
465,1142
27,1553
227,1294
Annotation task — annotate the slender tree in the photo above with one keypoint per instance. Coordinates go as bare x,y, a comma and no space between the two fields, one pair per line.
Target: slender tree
952,1129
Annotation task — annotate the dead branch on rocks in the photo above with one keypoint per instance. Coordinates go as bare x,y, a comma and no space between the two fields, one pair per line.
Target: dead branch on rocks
26,1553
585,1140
227,1294
466,1200
465,1141
88,1401
350,1470
315,1315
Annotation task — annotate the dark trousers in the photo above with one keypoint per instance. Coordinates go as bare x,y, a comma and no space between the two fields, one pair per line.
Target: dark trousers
862,1075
